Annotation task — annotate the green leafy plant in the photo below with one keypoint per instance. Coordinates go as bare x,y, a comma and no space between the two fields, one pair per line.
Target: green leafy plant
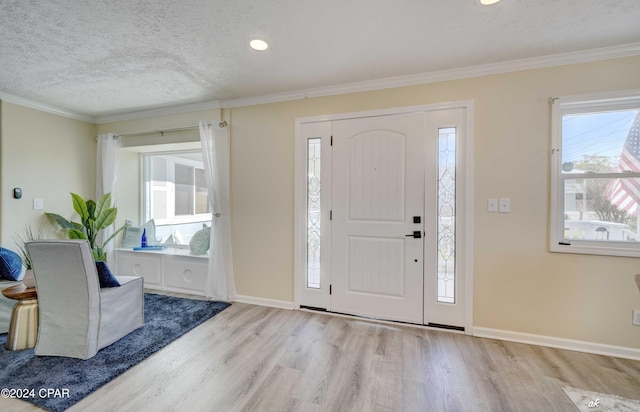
94,216
28,235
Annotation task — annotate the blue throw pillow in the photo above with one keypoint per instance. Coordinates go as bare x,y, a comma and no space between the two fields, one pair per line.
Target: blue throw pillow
106,278
10,265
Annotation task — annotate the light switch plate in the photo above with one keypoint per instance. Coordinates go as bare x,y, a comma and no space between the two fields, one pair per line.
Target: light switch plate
38,204
505,205
492,204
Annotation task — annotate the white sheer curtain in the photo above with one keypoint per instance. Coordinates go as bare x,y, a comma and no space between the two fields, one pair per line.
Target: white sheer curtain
215,152
107,161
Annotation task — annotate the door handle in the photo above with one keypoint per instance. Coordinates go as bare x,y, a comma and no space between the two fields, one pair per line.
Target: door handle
417,234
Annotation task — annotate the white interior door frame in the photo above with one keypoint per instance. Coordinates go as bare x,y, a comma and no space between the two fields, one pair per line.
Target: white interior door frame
465,245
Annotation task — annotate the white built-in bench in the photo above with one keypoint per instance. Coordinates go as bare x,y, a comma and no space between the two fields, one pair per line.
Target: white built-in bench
170,269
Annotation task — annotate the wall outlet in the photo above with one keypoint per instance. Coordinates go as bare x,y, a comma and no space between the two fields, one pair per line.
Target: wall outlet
636,317
505,205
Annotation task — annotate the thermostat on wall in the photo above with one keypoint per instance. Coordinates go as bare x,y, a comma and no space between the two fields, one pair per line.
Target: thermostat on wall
17,193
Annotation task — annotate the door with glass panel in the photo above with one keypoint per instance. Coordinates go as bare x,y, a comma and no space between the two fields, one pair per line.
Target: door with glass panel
313,209
382,221
444,268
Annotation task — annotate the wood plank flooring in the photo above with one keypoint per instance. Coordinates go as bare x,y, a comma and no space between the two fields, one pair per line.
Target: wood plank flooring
252,358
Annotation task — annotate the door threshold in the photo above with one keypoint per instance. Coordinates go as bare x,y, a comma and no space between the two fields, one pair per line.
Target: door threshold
433,326
441,326
313,308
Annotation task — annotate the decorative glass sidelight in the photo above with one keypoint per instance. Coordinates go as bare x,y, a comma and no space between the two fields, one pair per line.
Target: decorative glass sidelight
446,215
314,147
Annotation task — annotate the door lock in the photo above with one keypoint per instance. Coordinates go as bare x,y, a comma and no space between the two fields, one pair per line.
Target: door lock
417,234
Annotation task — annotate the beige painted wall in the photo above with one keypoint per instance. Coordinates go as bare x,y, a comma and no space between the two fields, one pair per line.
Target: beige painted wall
47,156
518,284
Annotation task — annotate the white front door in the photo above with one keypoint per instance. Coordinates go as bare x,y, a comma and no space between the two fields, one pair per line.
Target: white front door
378,210
366,182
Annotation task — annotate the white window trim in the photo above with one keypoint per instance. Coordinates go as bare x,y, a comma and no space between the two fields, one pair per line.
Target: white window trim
628,99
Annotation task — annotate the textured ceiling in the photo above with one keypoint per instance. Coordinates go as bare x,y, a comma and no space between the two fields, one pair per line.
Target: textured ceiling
97,57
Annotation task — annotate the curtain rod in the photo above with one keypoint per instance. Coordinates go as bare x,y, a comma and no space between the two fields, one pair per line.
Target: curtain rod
163,131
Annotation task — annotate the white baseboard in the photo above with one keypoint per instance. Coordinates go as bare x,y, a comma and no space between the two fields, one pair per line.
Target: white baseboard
560,343
280,304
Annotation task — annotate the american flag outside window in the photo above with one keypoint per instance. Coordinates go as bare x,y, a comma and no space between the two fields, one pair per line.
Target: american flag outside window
625,193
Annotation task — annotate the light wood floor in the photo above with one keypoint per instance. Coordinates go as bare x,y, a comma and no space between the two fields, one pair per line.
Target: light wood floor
252,358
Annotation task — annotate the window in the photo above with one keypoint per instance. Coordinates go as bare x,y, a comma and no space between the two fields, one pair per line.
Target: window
175,195
596,174
446,215
314,158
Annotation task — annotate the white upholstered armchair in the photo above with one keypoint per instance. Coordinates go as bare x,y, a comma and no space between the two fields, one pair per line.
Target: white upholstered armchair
77,317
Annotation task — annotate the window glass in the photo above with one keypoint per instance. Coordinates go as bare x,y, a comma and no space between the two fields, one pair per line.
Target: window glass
184,186
597,177
314,159
596,144
446,215
175,195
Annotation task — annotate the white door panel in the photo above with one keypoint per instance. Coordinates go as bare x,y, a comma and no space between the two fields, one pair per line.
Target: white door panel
376,265
376,176
377,189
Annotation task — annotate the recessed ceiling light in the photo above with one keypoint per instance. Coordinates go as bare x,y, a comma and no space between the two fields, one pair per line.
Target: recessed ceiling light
257,44
488,2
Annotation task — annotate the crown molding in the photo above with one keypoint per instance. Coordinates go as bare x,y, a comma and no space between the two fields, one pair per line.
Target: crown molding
163,111
584,56
6,97
561,59
265,99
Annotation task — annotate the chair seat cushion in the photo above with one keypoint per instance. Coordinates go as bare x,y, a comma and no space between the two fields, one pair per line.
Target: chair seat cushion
121,309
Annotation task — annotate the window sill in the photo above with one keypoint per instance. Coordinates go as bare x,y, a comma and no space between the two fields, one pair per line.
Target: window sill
172,251
582,248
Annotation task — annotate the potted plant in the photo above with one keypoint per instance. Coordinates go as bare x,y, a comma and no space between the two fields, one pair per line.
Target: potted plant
94,216
28,235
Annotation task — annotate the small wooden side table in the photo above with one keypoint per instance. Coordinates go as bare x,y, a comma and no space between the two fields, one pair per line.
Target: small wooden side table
23,328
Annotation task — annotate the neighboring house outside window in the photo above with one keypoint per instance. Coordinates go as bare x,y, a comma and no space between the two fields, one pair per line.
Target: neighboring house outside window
596,174
175,195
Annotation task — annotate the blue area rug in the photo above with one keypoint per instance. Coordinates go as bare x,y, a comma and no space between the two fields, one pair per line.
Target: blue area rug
166,319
